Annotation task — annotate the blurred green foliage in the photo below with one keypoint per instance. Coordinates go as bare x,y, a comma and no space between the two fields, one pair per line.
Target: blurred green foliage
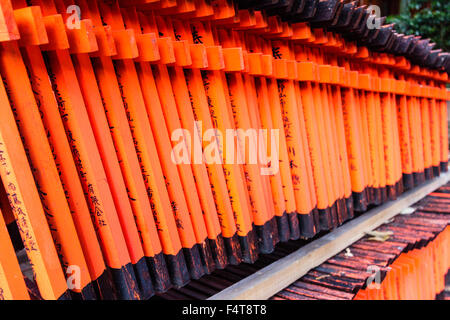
427,18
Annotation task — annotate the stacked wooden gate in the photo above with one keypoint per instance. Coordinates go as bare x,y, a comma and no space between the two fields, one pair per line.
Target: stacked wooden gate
112,202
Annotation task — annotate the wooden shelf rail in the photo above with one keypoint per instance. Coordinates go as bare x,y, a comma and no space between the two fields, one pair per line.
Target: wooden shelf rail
273,278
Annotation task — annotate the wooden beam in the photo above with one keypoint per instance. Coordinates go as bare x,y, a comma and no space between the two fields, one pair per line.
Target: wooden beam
282,273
